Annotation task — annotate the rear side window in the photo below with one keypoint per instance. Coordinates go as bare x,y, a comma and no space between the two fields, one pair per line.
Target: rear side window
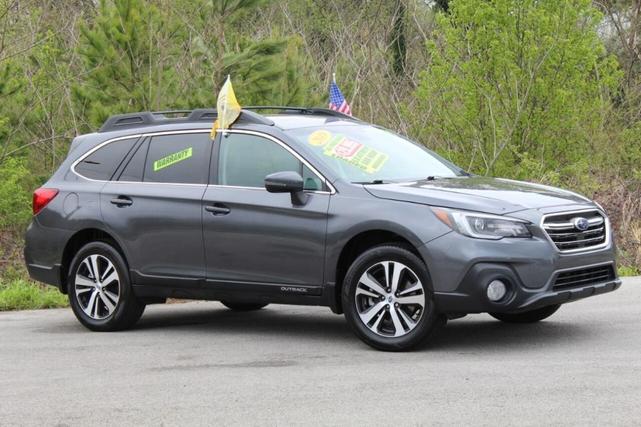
102,163
180,158
135,168
245,161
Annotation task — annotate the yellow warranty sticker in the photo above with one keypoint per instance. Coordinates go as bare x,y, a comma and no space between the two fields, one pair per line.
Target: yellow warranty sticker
172,159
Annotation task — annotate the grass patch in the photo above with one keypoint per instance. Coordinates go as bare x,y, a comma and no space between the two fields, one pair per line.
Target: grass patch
628,270
25,295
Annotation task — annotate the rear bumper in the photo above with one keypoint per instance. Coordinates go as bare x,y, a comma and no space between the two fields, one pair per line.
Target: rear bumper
43,253
45,274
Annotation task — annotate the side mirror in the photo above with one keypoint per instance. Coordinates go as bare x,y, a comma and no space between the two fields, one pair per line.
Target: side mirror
287,182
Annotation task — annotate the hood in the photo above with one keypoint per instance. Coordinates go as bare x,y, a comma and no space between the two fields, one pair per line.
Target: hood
482,194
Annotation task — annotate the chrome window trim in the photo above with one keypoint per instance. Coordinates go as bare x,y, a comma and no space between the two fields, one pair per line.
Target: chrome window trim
157,183
240,187
138,135
578,251
332,189
205,131
96,148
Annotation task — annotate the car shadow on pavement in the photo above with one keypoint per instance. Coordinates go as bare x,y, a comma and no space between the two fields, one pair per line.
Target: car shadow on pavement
470,334
489,334
215,319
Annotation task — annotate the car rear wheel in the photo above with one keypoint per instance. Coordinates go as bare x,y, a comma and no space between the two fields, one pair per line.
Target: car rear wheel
99,290
387,299
527,316
243,306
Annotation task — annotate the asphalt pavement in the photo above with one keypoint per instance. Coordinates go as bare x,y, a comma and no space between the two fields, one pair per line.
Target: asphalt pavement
202,364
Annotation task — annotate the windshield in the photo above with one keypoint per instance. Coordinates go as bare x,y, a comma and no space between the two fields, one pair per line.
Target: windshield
362,153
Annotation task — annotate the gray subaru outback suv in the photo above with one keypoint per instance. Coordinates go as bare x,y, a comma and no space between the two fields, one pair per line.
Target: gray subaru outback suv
305,206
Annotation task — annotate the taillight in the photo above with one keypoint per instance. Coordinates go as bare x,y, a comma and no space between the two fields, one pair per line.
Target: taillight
42,197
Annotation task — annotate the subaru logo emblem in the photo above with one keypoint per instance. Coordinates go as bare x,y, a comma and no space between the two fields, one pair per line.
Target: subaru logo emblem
581,223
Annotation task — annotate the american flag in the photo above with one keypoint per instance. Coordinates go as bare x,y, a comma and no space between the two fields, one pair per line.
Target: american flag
337,100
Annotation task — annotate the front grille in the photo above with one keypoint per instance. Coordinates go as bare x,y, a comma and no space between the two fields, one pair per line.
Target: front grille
584,277
563,230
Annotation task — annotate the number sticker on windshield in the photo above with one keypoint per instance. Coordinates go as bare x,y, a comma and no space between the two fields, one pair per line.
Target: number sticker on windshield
319,137
355,153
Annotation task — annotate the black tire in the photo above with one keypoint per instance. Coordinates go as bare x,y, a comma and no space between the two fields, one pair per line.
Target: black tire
128,308
243,306
428,320
527,316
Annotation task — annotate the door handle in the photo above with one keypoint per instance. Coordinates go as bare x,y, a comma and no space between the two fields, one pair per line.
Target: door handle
218,209
122,201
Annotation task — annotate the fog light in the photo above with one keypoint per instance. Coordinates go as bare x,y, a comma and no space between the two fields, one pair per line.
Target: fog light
496,290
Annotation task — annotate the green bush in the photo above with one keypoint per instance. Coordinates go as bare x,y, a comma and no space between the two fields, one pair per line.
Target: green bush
516,88
15,199
25,295
628,270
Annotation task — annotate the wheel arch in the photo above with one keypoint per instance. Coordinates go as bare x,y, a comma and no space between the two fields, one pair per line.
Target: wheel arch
356,245
77,241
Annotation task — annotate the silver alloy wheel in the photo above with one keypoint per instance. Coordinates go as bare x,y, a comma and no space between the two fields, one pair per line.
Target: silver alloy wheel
97,287
390,299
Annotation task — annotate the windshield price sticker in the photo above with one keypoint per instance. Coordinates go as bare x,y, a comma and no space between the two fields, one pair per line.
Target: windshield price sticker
355,153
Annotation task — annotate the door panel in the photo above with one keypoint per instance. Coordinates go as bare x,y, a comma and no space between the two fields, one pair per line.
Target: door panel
264,238
155,208
256,237
162,228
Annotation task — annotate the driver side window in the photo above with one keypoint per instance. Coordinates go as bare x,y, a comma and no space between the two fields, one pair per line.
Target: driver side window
245,160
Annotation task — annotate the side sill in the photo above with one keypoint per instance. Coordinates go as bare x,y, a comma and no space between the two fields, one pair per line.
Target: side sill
245,292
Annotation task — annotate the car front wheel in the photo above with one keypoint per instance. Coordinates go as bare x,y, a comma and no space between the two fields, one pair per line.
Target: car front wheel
99,290
387,299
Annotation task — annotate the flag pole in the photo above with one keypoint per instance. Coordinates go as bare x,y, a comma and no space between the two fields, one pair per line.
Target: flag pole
225,106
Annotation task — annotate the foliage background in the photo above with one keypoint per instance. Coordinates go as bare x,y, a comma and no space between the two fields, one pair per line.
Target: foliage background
537,90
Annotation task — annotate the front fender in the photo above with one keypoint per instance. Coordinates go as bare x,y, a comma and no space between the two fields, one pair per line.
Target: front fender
349,217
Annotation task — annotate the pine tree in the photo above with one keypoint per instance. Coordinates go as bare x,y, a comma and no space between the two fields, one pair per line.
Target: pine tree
222,41
134,48
127,55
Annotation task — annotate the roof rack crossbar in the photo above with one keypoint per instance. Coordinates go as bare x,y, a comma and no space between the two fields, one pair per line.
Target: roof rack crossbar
170,112
248,115
301,110
151,118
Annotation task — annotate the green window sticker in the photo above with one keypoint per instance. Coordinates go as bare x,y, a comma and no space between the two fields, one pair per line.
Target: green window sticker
172,159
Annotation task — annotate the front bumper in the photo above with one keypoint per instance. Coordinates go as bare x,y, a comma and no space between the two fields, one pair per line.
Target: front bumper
470,296
461,268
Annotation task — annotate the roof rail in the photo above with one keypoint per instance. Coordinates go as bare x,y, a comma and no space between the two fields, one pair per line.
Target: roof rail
153,118
300,110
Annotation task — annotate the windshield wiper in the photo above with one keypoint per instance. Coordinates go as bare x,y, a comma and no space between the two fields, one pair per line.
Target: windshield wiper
372,182
434,178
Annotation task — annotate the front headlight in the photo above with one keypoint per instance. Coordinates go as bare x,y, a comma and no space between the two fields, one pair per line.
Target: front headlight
482,226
